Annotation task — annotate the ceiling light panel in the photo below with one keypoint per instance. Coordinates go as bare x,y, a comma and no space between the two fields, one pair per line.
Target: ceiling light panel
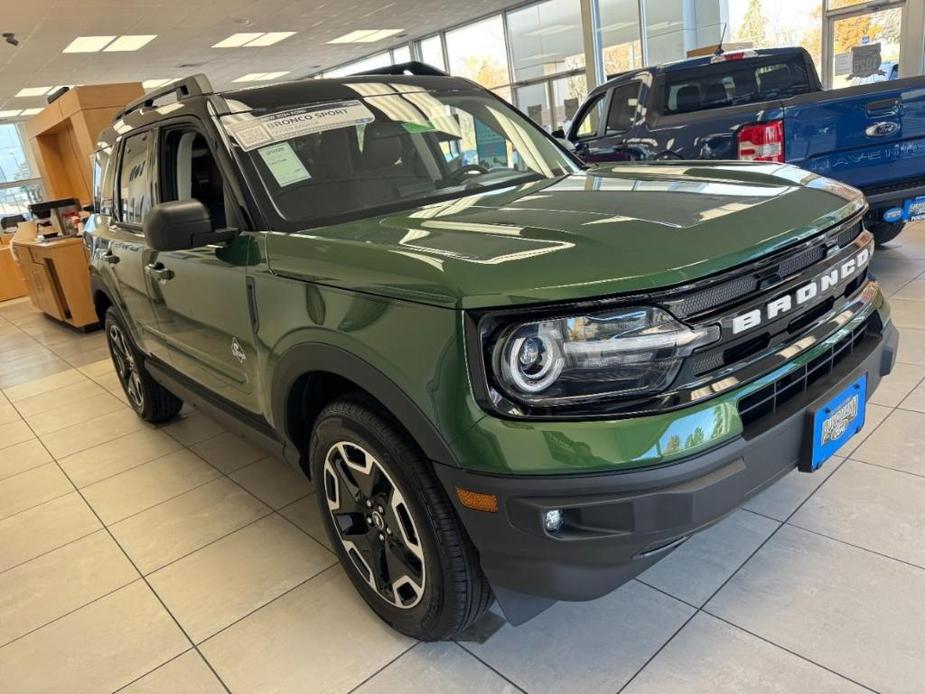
33,91
269,38
154,84
237,40
30,111
366,35
10,114
260,76
131,42
88,44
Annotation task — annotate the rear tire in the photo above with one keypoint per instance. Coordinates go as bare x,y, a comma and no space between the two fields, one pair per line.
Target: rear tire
393,527
884,232
150,400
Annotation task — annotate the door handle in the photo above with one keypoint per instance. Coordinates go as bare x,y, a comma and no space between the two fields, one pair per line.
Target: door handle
110,257
159,272
881,129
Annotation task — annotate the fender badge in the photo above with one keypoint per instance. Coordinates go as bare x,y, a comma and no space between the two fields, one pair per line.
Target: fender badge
237,351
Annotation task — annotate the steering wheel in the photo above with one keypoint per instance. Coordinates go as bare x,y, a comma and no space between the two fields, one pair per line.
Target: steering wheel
462,171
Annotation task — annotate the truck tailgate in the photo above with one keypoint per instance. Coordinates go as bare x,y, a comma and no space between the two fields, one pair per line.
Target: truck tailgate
866,136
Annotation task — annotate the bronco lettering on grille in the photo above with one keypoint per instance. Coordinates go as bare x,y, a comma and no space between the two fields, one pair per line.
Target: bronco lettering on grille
817,287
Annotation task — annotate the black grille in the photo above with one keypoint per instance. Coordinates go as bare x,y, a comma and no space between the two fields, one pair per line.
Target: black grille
734,289
894,187
769,398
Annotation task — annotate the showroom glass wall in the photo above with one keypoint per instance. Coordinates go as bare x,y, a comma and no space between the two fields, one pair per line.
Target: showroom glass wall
19,184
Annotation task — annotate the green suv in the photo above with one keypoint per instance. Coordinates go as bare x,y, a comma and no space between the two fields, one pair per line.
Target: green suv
508,375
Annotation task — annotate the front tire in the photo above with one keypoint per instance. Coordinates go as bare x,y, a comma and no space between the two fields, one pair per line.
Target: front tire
393,527
150,400
884,232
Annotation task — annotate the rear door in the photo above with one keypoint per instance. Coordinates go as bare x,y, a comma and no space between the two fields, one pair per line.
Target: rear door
126,254
866,136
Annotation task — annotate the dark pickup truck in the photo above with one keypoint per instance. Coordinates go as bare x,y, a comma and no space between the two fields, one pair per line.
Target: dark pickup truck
768,105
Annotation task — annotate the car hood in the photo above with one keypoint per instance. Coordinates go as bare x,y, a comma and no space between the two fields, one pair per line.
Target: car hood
604,231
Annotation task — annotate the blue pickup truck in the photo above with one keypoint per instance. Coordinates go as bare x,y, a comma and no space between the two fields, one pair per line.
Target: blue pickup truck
767,105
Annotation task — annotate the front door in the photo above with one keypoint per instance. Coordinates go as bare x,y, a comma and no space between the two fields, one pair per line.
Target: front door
204,327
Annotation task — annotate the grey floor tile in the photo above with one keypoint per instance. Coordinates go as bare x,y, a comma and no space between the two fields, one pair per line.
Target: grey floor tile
14,432
44,385
872,507
121,454
898,443
66,396
142,487
325,617
43,528
854,612
185,674
907,313
695,570
21,457
80,437
710,656
436,667
915,400
90,409
32,488
8,413
228,452
185,523
192,427
273,482
99,648
911,346
50,586
224,581
785,496
895,387
306,514
914,290
586,646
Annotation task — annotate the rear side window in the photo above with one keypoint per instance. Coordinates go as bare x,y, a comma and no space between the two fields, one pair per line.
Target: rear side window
135,179
735,82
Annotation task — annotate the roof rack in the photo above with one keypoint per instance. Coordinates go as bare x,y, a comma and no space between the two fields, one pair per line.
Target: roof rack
412,67
194,85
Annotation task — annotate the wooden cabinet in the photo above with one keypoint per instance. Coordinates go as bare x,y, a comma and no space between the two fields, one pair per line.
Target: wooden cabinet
57,279
12,283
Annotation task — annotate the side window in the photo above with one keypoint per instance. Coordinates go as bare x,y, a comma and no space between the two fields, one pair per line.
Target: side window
623,105
591,117
189,171
135,179
103,170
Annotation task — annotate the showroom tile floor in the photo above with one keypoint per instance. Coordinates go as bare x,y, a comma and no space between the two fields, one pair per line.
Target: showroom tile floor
179,558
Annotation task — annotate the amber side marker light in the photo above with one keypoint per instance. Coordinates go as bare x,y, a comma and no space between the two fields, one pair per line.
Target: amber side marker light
477,501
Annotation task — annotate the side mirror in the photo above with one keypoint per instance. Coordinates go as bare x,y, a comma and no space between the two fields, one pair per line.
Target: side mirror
180,225
558,133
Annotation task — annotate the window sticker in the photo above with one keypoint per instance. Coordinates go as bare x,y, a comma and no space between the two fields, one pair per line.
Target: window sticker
284,164
278,127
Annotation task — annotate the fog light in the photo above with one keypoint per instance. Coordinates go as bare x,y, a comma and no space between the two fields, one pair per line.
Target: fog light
552,520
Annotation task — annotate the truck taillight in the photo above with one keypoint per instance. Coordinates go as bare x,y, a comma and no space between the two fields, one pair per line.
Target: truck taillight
762,141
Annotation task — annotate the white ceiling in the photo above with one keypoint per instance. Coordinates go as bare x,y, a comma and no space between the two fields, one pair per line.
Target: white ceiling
186,30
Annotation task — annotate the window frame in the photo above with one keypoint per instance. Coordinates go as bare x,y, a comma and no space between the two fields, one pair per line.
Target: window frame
591,102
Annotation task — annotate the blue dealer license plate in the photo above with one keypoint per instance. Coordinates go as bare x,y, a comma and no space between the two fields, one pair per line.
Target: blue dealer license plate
915,209
837,421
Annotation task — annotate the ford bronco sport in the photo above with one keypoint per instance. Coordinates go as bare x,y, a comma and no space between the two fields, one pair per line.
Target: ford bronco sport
509,376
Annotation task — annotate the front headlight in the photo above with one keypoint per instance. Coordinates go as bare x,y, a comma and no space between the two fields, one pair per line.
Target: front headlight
627,352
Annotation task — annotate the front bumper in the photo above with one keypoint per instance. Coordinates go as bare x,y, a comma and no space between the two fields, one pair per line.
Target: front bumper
618,524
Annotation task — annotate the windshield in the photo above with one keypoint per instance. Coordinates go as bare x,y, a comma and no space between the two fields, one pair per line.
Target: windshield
394,146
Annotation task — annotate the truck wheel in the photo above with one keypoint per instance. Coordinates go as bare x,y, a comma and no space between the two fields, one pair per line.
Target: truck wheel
392,525
150,400
884,232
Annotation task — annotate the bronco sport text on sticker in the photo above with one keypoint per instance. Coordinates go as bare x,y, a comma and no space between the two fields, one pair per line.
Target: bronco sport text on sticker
286,125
